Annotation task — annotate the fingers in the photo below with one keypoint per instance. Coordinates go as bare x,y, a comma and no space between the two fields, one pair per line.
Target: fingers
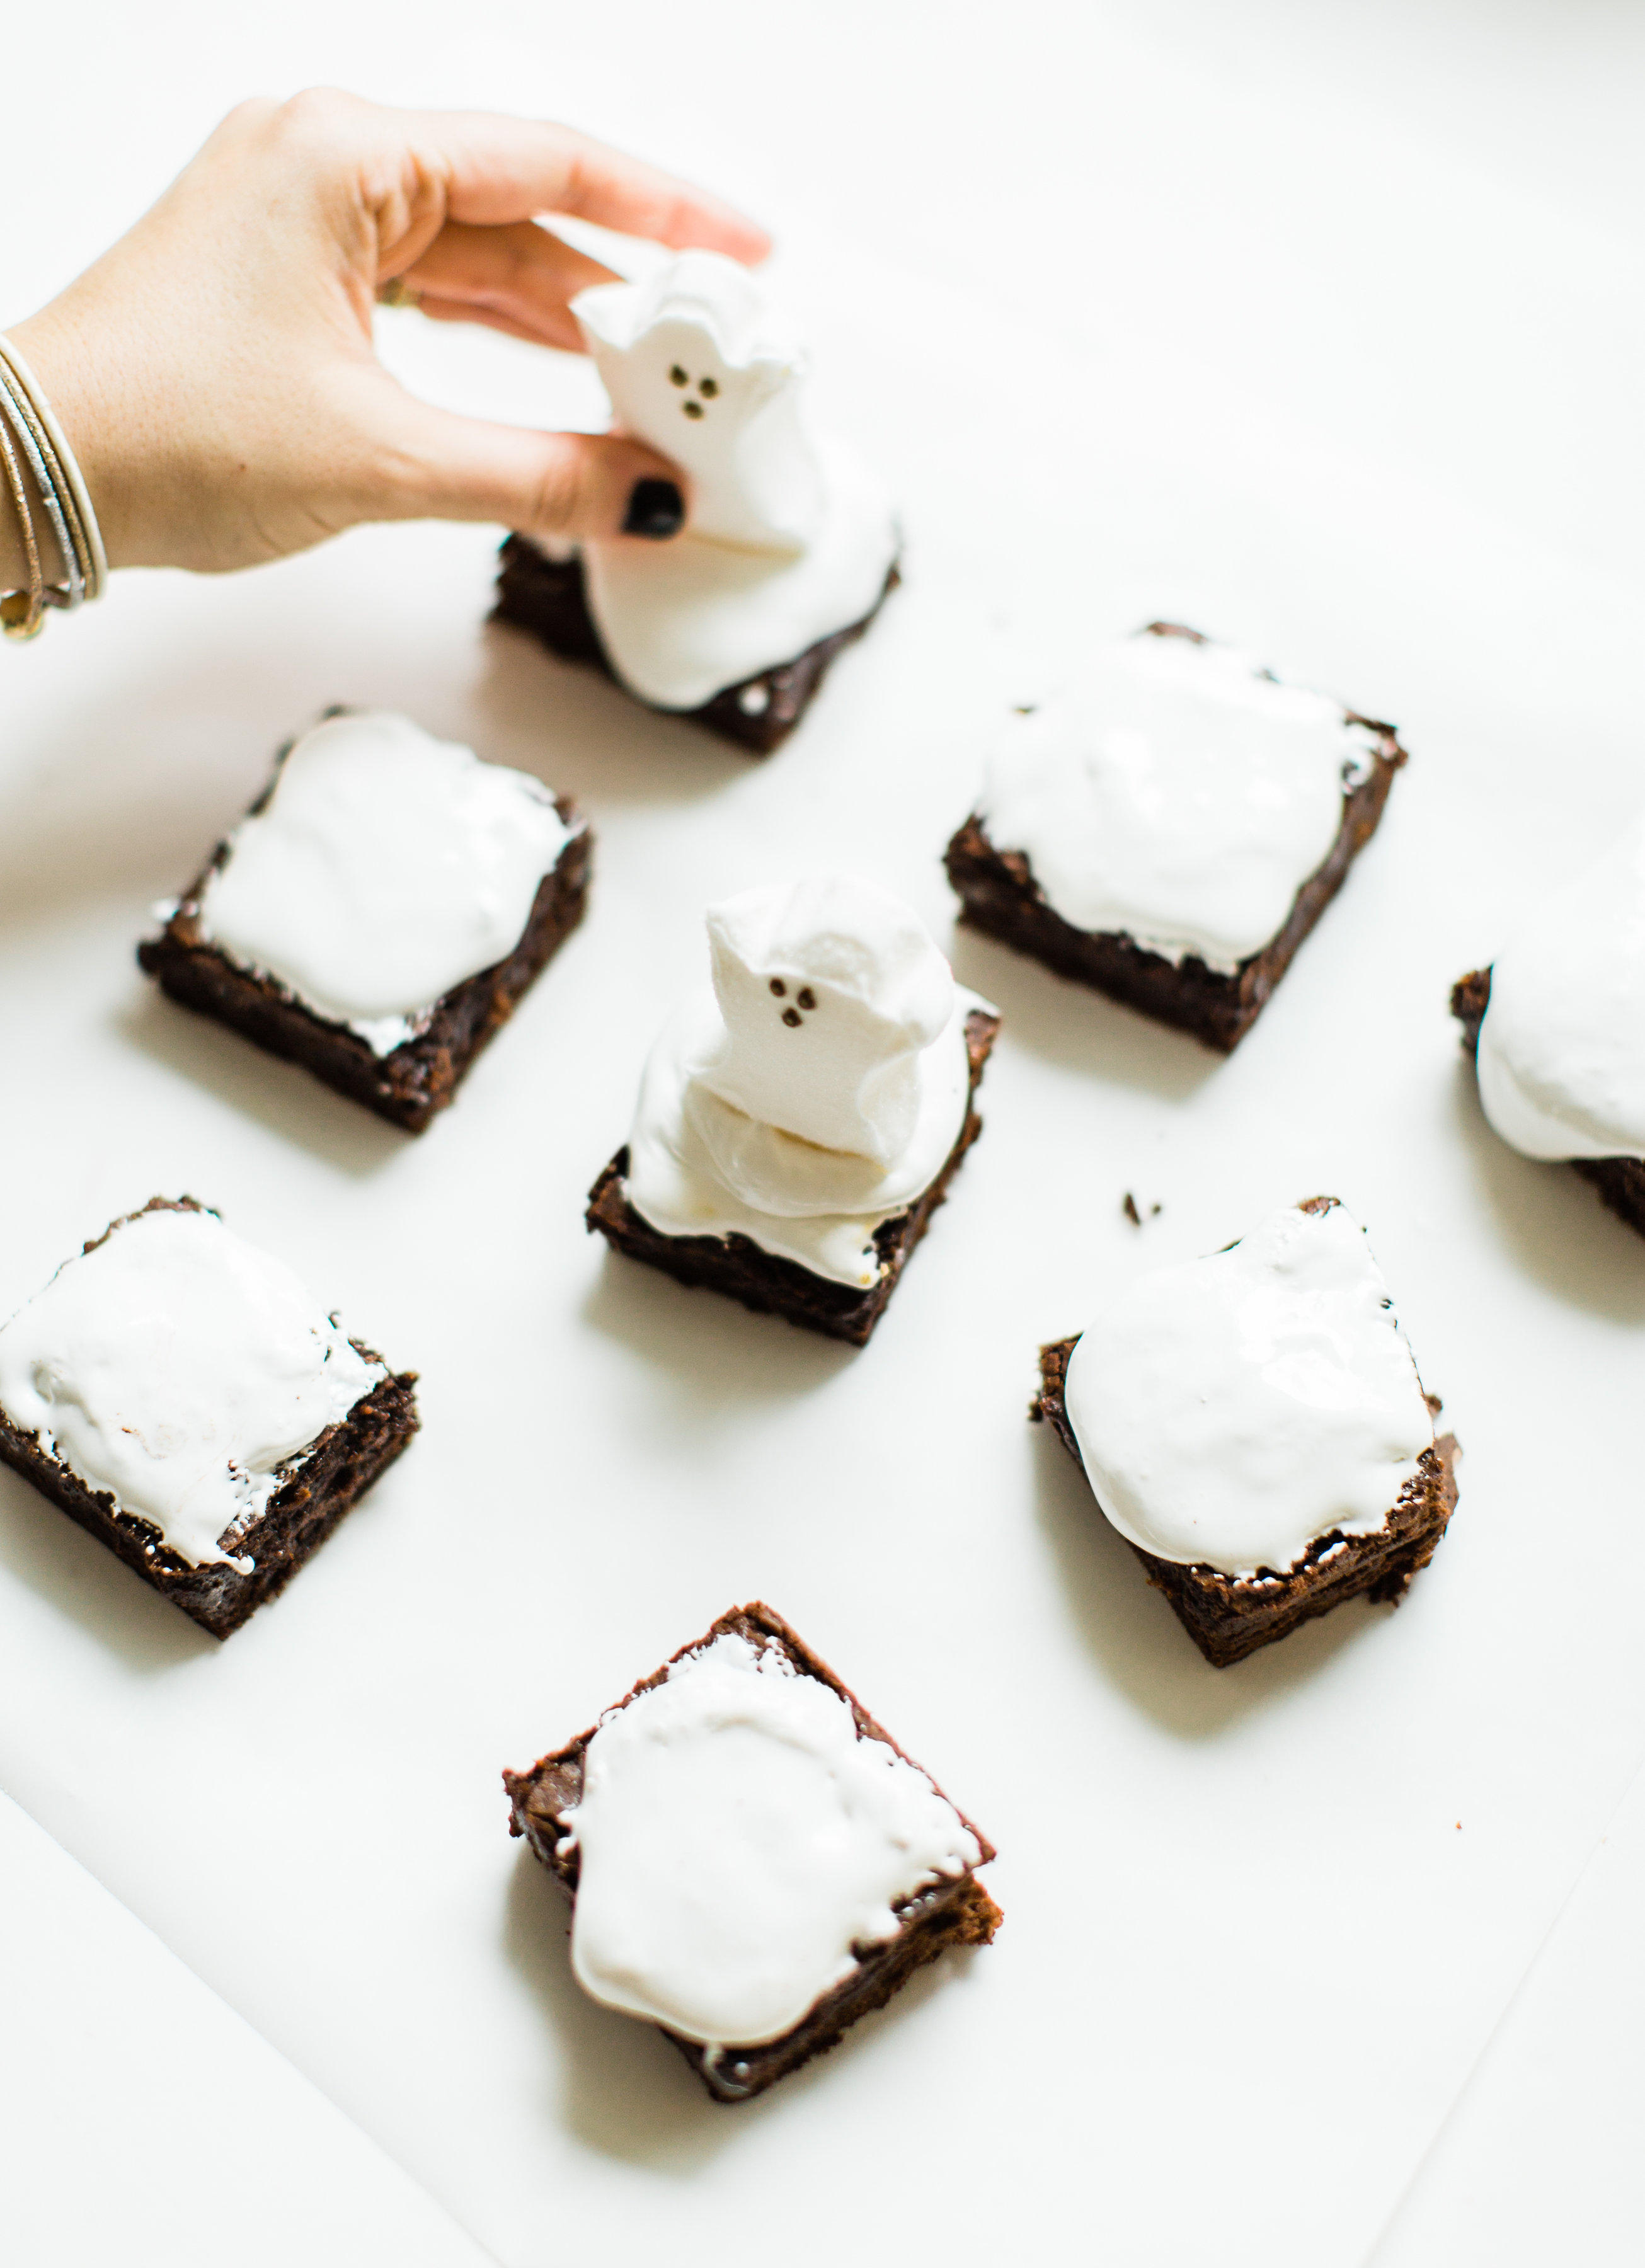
517,277
509,169
437,466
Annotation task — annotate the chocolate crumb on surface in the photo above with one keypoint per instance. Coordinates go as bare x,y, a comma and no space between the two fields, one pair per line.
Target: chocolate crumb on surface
1620,1181
998,895
760,1280
549,598
951,1911
1228,1617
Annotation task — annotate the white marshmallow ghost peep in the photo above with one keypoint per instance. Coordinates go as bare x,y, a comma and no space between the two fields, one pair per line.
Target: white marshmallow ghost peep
817,1089
787,537
829,990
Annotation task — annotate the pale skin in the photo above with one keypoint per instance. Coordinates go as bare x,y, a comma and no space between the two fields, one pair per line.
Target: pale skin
213,372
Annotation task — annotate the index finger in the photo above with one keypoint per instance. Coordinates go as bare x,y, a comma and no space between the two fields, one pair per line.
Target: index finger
500,169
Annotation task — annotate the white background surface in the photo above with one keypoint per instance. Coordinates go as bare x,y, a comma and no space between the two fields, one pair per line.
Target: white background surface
1324,337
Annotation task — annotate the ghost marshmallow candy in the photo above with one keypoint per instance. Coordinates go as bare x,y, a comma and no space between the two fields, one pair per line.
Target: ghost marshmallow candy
179,1393
379,910
799,1118
789,544
1557,1024
1253,1424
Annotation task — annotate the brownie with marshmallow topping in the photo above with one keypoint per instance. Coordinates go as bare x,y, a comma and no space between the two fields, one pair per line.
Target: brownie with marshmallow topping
767,1282
1620,1181
547,596
951,1912
317,1487
413,1081
999,894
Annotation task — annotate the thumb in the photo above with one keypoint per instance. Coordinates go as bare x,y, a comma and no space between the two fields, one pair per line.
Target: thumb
584,485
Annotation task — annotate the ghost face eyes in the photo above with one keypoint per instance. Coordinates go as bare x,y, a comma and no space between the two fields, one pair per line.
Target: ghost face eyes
706,387
805,997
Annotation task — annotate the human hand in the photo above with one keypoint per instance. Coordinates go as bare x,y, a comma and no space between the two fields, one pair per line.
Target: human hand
213,372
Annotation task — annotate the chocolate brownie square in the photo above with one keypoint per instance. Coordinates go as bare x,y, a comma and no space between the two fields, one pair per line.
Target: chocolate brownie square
1228,1617
107,1391
942,1904
406,1082
1000,896
548,598
1620,1181
770,1284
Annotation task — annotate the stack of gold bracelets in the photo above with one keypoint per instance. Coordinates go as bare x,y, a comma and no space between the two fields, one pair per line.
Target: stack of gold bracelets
41,473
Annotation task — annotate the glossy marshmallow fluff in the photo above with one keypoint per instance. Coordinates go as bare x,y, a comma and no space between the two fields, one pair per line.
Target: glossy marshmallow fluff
1561,1056
1232,1409
386,867
1175,794
177,1367
787,539
816,1090
736,1840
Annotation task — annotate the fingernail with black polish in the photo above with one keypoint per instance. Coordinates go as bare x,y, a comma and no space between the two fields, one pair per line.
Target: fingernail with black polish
655,509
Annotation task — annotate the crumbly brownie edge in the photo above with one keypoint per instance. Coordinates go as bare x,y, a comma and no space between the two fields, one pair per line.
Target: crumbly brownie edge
999,895
549,598
1229,1617
1620,1181
957,1911
323,1482
408,1085
741,1269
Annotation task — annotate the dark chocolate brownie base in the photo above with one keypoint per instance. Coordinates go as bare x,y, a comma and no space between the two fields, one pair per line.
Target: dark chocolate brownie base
998,895
1228,1617
416,1079
957,1911
321,1484
743,1271
1620,1181
548,598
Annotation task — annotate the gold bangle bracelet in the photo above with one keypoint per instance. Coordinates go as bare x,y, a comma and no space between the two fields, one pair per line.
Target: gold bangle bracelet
22,612
61,493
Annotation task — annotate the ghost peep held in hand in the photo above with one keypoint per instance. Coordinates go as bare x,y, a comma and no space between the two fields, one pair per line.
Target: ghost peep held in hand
799,1120
789,546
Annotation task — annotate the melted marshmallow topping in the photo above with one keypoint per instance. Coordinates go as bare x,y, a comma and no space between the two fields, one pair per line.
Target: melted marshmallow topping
787,537
177,1367
1176,795
737,1840
1561,1056
1231,1411
386,868
816,1091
